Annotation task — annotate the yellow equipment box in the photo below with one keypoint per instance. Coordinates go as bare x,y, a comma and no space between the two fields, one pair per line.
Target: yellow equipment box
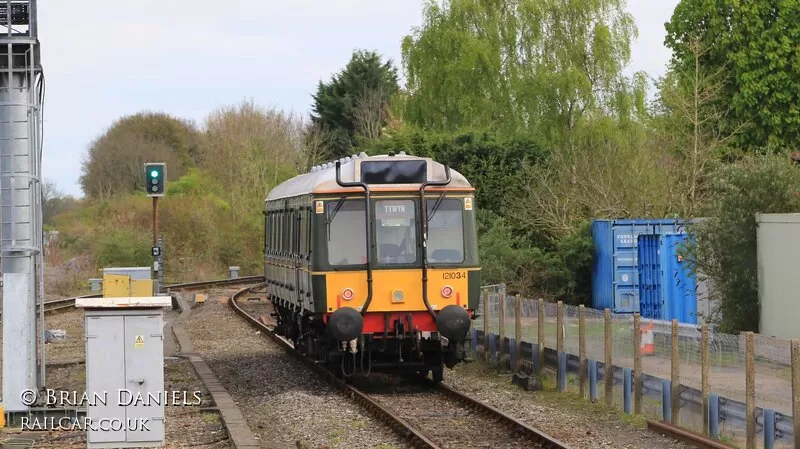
116,285
122,286
142,288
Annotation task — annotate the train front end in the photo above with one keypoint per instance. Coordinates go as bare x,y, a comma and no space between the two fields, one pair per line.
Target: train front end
396,270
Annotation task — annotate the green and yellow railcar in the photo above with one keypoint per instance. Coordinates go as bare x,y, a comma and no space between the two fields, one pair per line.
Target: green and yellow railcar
372,263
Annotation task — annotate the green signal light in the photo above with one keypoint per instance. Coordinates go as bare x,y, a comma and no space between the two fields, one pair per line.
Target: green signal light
154,173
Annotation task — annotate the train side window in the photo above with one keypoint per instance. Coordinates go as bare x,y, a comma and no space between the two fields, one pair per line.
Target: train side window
272,232
347,243
310,229
285,231
445,231
301,232
282,232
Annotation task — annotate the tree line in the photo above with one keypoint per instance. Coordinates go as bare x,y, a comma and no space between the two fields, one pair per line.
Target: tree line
529,100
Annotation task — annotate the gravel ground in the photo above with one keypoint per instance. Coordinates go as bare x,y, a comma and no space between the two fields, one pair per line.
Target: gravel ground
285,405
564,416
186,426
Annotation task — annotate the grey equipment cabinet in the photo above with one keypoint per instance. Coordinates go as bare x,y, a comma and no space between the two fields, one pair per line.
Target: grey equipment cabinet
125,396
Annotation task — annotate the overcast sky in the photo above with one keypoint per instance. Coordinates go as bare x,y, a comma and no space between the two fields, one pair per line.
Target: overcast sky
187,58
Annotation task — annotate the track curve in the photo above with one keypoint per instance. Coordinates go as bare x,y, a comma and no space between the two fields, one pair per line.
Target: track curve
69,303
512,431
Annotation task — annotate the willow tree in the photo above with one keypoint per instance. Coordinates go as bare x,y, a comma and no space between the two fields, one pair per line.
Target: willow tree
520,65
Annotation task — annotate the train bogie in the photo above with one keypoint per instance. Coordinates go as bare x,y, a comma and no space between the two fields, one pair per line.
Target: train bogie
373,264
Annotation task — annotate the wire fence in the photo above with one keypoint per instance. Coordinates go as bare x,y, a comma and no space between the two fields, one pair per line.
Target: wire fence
661,349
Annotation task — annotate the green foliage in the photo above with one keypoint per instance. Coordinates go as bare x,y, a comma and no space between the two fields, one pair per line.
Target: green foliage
754,42
354,103
123,248
561,272
491,163
539,65
115,160
198,182
726,243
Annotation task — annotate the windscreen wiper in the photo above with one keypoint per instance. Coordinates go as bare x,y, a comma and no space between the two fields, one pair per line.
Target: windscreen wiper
436,206
329,220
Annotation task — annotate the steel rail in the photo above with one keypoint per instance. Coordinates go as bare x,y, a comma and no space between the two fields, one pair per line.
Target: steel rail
696,440
402,427
69,303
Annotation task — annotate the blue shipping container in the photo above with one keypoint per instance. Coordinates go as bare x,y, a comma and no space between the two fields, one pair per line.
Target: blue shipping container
667,290
616,273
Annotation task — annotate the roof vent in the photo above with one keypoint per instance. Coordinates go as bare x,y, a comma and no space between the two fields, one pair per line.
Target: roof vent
347,159
402,153
362,154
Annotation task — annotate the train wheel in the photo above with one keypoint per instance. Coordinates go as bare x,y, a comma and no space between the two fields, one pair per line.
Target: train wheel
438,374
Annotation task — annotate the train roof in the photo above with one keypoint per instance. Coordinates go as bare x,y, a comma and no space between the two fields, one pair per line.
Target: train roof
322,178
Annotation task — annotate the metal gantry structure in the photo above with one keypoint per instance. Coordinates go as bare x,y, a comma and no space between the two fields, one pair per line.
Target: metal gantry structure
22,91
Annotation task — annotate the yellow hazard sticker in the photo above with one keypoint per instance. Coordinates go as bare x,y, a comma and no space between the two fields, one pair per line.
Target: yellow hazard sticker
320,208
468,203
139,343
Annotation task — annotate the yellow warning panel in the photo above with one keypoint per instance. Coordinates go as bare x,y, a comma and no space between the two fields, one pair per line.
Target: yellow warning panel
199,298
139,343
2,415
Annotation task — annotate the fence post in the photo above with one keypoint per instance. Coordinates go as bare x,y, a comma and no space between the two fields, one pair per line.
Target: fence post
562,370
582,349
540,336
626,390
705,376
675,382
796,391
750,389
502,317
608,376
637,364
485,296
593,380
769,428
713,412
517,332
559,327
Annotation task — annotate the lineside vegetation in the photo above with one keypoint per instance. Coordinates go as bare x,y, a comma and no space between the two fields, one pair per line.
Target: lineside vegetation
529,100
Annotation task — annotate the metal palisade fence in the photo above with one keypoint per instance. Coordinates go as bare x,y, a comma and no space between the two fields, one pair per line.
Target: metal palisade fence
737,388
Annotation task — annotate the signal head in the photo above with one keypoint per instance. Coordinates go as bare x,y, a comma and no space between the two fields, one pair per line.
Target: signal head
155,172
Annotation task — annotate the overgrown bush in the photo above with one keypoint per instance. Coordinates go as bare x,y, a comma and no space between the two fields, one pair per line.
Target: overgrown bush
726,244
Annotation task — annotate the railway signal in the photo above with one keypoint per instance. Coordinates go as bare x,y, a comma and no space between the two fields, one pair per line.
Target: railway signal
156,175
156,186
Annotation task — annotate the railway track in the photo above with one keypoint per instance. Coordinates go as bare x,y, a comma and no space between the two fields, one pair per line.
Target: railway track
69,303
418,414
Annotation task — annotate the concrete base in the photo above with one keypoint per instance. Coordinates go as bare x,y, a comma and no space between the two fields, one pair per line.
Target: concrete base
527,382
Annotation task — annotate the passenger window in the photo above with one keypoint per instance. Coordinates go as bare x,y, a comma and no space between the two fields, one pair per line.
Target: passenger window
445,231
347,244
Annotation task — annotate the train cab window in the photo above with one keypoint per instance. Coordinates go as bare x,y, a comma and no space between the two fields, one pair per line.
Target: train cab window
445,231
396,232
347,244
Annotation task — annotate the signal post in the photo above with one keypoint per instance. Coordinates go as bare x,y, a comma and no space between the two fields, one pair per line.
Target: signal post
156,177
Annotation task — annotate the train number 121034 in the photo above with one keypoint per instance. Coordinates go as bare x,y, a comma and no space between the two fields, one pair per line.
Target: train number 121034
454,275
